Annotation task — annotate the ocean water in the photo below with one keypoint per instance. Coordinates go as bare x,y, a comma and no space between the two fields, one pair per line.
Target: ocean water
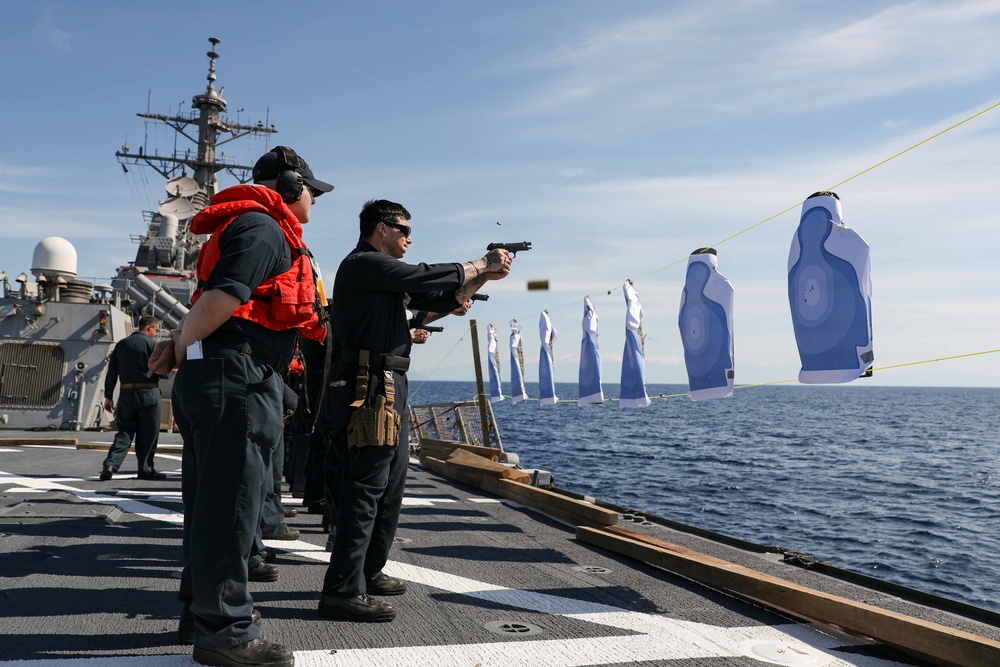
898,483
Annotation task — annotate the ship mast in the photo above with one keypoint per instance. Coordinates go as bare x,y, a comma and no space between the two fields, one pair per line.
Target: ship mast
160,281
204,162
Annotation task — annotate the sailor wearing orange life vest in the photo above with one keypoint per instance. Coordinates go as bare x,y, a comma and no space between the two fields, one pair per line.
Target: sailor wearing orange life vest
256,294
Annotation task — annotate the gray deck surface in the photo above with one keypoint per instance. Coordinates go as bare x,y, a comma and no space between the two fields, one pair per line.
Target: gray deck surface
89,575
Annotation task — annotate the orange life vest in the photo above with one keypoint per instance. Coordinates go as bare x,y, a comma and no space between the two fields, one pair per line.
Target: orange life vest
296,367
285,301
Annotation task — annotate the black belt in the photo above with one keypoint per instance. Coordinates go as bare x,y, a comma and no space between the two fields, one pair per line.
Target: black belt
140,385
378,362
246,345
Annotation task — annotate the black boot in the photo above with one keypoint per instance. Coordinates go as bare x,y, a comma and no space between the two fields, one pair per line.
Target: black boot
361,608
257,653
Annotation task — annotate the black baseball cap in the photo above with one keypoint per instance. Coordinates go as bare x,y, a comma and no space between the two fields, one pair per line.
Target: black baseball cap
282,158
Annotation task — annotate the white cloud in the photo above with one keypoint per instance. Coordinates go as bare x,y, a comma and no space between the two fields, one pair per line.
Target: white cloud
929,215
738,58
45,31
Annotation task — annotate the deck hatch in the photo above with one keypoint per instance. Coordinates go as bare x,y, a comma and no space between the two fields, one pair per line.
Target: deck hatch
784,653
31,374
513,628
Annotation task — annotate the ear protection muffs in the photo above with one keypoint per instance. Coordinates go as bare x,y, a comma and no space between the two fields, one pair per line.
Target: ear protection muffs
290,180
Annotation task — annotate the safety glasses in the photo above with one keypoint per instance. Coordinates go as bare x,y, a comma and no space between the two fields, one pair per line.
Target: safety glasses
405,229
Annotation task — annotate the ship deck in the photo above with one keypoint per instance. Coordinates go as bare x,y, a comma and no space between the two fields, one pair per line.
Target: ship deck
90,569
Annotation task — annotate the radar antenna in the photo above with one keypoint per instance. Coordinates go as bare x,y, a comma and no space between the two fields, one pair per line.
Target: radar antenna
204,163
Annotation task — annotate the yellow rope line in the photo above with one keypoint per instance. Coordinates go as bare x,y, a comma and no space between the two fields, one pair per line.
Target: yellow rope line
918,144
930,361
774,382
846,180
797,204
447,354
874,370
779,214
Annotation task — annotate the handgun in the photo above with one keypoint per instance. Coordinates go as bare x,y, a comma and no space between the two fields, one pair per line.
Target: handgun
480,297
429,328
512,248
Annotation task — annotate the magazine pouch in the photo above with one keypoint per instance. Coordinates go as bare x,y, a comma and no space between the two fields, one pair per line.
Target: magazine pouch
377,425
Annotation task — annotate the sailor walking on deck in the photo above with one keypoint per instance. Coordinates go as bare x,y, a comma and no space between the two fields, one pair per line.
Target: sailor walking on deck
138,412
257,291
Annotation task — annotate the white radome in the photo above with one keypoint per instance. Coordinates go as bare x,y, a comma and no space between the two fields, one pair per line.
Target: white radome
54,257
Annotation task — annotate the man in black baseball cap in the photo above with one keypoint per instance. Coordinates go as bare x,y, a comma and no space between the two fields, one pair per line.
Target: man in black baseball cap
257,293
289,173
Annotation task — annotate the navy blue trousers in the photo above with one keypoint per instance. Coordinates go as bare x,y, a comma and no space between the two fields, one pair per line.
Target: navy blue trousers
228,409
137,416
368,484
272,519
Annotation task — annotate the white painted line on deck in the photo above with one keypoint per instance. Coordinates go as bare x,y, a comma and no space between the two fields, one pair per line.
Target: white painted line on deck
426,501
124,504
652,638
48,446
560,653
100,661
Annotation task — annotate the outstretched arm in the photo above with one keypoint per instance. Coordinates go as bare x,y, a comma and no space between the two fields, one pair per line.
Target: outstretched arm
494,265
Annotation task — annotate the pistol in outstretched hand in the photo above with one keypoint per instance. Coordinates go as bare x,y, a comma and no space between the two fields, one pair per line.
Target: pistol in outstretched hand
512,248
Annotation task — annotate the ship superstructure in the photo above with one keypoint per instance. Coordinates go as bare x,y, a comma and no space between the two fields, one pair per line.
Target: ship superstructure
57,331
168,251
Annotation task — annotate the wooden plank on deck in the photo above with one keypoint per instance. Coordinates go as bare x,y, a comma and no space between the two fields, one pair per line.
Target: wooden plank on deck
47,442
927,640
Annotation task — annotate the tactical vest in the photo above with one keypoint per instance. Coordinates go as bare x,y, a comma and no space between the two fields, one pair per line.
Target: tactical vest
285,301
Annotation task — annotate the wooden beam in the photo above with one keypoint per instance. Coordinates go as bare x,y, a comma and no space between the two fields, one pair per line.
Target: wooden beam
513,484
441,449
47,442
930,641
555,504
481,392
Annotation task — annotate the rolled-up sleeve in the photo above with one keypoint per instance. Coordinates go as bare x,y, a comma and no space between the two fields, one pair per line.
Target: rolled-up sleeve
251,250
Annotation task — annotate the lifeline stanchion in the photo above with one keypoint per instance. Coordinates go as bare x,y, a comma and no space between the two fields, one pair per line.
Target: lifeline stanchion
480,390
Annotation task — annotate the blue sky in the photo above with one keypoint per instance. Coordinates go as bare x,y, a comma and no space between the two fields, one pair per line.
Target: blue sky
616,137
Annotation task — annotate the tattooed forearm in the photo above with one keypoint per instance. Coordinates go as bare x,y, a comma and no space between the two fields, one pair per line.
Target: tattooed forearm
465,292
474,269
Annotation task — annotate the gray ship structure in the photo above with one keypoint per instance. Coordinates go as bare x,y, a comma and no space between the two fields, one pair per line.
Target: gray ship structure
56,330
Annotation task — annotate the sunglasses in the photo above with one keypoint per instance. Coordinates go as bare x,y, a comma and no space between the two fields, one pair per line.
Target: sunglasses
315,193
405,229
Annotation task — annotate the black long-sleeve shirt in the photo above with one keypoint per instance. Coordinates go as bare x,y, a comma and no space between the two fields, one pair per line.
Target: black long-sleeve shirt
371,293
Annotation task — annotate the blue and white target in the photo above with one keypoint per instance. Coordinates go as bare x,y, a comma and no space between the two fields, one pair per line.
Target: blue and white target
705,323
829,294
